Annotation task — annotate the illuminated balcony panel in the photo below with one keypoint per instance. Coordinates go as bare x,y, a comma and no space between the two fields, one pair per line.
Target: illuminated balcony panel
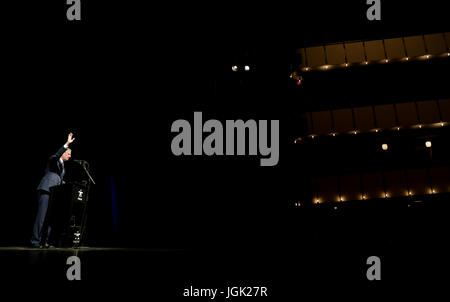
394,48
435,44
315,56
375,50
355,52
415,46
336,54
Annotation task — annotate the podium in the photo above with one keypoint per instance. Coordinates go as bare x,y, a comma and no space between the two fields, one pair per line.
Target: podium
66,214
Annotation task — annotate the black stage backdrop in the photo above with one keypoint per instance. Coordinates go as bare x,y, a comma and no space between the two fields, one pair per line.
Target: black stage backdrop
121,76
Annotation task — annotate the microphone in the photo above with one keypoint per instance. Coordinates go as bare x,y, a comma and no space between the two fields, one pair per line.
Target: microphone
79,161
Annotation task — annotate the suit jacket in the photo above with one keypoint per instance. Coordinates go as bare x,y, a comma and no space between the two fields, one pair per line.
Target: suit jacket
54,172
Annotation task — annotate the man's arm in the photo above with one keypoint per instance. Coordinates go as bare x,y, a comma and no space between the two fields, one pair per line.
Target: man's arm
63,149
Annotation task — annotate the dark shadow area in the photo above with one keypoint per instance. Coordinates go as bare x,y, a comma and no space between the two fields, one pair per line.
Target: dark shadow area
125,73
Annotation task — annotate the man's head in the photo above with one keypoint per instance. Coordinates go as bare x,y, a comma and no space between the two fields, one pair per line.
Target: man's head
66,155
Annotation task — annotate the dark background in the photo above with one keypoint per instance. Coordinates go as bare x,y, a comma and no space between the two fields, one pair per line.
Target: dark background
121,76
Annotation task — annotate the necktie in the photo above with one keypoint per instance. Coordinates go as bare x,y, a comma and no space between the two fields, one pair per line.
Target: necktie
62,171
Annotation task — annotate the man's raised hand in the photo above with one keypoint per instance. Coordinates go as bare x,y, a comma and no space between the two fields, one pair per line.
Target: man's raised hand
70,139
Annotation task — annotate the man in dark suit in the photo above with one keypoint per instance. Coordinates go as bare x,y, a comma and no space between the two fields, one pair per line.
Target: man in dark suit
54,174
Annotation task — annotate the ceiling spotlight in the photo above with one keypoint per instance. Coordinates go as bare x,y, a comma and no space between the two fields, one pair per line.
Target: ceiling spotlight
234,68
428,144
246,68
384,147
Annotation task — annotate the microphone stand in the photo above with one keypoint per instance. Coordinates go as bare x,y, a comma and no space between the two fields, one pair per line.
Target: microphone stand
85,166
87,171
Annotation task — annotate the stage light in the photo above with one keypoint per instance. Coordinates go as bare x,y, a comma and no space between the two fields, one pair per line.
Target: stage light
398,128
420,126
407,59
448,54
433,191
376,130
363,196
424,57
442,124
317,200
234,68
335,208
346,64
387,61
384,147
386,195
366,62
428,144
247,68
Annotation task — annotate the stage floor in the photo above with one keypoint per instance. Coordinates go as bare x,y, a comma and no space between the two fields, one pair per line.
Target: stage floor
168,272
